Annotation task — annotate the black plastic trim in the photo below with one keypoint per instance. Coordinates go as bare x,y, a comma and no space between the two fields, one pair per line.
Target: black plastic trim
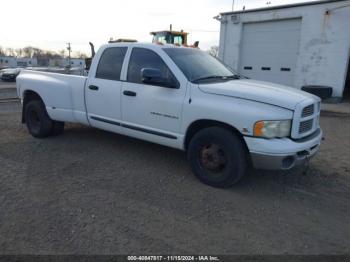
134,128
106,121
150,131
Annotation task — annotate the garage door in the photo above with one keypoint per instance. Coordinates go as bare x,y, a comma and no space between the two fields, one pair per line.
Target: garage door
269,50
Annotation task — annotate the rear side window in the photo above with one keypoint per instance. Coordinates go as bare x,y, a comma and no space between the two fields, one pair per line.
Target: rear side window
111,63
145,58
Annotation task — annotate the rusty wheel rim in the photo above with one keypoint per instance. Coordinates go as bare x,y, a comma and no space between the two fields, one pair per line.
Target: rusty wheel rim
213,158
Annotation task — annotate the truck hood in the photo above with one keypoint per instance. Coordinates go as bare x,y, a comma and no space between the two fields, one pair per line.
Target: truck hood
264,92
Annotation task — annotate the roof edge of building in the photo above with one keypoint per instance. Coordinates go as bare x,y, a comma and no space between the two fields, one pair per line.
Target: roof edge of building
282,7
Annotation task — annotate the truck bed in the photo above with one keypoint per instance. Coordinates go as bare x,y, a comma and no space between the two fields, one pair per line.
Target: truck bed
62,94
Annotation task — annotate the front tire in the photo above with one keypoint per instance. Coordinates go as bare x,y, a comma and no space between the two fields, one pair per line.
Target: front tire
38,121
217,157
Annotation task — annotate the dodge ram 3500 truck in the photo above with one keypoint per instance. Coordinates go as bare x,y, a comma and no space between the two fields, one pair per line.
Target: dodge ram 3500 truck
182,98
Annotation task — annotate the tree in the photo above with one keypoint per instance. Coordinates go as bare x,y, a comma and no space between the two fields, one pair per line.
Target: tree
19,52
28,51
2,51
10,51
62,53
79,54
214,51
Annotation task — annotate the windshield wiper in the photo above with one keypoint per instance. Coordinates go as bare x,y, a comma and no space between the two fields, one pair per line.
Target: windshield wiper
216,77
234,77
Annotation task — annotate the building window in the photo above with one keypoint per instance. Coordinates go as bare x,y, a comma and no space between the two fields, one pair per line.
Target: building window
6,61
30,62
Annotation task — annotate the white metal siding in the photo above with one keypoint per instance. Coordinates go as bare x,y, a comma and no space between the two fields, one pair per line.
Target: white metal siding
269,50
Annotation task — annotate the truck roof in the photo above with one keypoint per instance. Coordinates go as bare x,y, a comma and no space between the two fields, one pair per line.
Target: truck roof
137,44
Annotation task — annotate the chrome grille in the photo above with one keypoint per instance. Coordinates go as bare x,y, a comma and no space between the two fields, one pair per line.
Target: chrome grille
305,119
306,126
308,111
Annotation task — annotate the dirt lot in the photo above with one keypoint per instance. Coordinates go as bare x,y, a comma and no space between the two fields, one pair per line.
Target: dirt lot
93,192
6,84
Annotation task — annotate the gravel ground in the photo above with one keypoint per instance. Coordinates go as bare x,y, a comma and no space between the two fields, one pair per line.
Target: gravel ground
7,84
93,192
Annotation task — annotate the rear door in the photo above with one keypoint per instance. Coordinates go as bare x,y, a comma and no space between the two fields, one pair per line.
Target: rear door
103,90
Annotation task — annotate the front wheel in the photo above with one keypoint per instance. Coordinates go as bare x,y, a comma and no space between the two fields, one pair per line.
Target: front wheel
217,157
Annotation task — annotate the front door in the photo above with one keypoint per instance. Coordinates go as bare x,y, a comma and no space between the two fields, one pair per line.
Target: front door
148,111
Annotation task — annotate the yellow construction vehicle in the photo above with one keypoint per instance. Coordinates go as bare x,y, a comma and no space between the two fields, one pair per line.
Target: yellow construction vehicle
172,37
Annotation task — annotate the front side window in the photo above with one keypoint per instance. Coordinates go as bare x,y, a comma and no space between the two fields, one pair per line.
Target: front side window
145,58
111,63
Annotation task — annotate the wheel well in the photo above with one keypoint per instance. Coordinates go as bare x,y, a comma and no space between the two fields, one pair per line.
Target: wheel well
28,96
201,124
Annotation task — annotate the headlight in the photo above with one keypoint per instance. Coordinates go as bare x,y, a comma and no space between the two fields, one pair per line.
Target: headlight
273,129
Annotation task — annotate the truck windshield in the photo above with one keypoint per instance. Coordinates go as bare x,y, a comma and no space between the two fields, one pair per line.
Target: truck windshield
199,66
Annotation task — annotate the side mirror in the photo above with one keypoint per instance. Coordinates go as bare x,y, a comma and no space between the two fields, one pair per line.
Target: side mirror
153,76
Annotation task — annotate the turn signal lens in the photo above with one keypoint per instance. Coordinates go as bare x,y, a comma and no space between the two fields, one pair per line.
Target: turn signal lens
258,129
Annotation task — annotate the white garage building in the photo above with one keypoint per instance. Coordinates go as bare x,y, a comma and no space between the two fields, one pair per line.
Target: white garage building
305,44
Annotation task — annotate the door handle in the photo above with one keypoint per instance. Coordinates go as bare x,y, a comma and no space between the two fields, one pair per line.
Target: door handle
94,88
129,93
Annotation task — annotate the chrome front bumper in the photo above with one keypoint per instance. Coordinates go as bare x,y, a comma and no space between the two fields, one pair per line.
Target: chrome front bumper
288,155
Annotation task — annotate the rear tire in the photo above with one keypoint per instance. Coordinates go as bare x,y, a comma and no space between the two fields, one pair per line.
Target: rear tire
58,128
38,121
217,157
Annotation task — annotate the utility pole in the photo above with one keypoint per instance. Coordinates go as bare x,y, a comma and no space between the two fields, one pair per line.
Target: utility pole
233,5
69,51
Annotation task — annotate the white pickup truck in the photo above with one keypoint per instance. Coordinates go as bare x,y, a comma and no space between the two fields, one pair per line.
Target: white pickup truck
182,98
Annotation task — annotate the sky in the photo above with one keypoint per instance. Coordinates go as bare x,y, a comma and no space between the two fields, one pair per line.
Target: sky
50,24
